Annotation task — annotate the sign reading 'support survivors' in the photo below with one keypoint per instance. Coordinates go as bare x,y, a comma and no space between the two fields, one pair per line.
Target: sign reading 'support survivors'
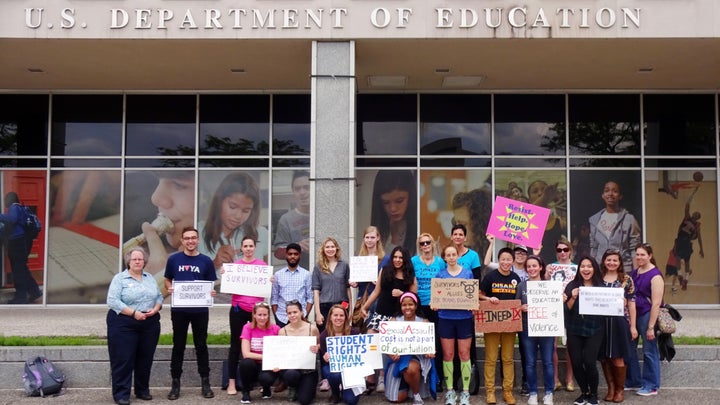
453,293
246,279
192,294
407,337
505,316
518,222
545,308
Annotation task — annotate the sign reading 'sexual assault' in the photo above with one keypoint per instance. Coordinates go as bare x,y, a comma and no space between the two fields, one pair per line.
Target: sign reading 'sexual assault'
518,222
407,337
505,316
246,279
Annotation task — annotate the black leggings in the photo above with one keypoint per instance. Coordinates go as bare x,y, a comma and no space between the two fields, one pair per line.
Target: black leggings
238,319
584,351
304,383
251,371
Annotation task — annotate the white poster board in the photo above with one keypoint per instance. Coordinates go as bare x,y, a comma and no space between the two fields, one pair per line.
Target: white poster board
601,301
363,268
246,279
288,352
407,337
192,294
353,351
545,314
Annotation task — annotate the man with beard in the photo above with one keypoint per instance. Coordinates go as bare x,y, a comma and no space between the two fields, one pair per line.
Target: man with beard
292,283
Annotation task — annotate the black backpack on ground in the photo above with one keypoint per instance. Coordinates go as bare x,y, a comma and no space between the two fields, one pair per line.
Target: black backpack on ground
41,377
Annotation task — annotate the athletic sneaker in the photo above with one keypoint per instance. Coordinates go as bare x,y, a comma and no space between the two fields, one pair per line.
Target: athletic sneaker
266,393
646,392
580,400
532,400
245,397
380,386
450,397
591,399
464,398
548,399
525,390
417,399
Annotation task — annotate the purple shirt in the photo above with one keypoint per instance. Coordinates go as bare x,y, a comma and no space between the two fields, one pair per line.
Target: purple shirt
643,289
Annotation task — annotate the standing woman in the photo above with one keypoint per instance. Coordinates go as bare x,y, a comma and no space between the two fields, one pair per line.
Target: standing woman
301,382
410,375
396,278
585,332
618,332
241,313
535,268
649,288
372,246
455,325
133,327
252,350
330,280
338,325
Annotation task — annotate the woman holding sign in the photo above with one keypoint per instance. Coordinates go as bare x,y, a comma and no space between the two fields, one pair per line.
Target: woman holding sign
415,373
535,268
301,382
585,332
241,312
252,350
562,270
338,325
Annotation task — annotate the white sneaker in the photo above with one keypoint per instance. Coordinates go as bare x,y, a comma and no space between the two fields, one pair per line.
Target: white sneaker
548,399
532,400
417,399
464,398
381,386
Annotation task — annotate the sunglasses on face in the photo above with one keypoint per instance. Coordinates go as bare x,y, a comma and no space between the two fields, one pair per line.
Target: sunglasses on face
562,250
425,243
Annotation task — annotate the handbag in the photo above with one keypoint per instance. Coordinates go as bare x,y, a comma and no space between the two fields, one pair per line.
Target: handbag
665,321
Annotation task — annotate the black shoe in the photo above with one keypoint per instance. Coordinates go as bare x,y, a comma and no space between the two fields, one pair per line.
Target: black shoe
33,297
245,397
122,402
174,390
207,392
525,390
591,399
145,397
266,393
580,400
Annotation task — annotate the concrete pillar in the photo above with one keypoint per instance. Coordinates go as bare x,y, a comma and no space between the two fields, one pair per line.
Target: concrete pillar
332,123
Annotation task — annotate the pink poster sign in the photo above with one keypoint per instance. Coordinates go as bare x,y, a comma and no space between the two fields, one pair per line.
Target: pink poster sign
518,222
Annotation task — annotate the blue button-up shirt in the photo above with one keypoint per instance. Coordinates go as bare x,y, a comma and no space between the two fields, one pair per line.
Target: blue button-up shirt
291,285
125,291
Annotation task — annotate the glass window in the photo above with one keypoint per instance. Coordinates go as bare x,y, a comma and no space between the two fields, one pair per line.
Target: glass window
291,124
456,124
291,214
529,124
160,125
604,124
87,125
387,124
23,125
680,124
234,125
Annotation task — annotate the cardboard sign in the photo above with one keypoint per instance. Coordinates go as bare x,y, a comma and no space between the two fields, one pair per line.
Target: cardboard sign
353,351
562,272
518,222
363,268
246,279
504,316
192,294
407,337
601,301
288,352
545,314
454,293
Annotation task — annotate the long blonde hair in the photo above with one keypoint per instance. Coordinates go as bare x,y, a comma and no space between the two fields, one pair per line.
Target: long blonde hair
330,328
323,261
432,243
380,248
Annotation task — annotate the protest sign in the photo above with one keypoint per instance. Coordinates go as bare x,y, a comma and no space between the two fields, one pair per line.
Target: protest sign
505,316
545,313
353,351
601,301
363,268
562,272
406,337
453,293
518,222
288,352
192,294
246,279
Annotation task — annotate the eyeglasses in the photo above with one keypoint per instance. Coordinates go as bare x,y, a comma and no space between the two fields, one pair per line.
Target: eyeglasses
520,252
425,243
562,250
190,238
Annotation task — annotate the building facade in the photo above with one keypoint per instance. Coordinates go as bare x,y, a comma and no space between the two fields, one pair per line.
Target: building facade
121,122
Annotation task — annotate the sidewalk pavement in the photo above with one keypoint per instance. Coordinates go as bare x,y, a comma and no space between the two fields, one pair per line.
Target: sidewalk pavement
90,321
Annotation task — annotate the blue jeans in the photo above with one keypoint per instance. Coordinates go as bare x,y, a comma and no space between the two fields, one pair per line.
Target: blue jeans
530,346
651,355
335,379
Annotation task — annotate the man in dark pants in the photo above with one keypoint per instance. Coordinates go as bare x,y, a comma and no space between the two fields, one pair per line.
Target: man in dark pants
18,248
189,265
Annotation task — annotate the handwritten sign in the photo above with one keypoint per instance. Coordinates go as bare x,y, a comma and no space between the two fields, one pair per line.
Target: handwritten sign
363,268
504,316
407,337
246,279
601,301
353,351
288,352
562,272
454,293
545,314
192,294
518,222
